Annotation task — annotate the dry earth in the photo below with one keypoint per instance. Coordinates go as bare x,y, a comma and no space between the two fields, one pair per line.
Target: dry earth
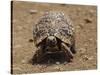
25,15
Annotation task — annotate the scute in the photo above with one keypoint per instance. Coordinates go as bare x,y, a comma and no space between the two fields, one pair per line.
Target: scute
39,33
65,30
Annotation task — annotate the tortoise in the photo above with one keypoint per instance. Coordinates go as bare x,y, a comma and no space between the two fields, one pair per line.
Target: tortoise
52,34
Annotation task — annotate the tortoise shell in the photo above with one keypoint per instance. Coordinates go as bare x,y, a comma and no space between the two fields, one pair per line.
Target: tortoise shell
53,23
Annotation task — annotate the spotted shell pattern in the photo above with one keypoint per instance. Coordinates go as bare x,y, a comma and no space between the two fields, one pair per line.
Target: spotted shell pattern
53,23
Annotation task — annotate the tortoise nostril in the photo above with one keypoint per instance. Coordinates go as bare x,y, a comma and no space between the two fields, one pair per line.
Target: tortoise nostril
54,40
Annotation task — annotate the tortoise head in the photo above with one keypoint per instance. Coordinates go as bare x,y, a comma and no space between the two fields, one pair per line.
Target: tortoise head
51,41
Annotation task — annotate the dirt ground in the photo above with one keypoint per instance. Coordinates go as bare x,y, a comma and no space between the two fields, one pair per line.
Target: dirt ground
25,15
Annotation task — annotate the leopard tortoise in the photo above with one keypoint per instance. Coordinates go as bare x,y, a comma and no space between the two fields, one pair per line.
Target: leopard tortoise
52,34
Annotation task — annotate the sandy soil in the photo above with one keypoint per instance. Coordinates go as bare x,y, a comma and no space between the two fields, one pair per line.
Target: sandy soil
85,22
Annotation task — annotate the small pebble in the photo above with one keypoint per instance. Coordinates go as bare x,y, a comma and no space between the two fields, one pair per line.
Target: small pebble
57,68
81,25
30,40
33,11
57,63
90,39
17,69
79,9
19,27
24,61
17,46
86,58
78,27
82,50
61,69
90,58
65,63
92,11
87,20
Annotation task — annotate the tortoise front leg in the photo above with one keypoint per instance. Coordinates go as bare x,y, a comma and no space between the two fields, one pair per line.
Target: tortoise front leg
38,55
67,51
